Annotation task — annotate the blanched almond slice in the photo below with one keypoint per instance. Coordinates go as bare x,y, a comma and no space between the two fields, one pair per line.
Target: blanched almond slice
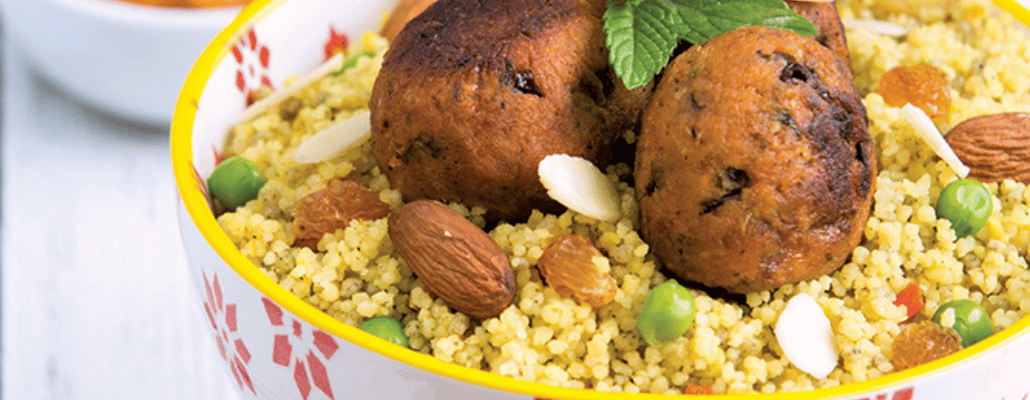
925,127
336,139
579,185
332,64
876,26
805,335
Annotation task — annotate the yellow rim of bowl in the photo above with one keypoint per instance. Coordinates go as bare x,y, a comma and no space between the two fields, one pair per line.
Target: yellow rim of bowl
197,207
1016,9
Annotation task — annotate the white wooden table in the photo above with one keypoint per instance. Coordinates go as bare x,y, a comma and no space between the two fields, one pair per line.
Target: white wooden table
97,302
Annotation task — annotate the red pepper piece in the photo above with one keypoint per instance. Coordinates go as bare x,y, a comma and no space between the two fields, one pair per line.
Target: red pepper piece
693,388
911,297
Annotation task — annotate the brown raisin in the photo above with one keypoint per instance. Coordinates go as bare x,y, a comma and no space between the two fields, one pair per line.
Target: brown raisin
924,86
567,265
334,208
921,342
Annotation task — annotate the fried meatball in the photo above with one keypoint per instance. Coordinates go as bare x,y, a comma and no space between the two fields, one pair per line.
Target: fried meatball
754,167
473,94
826,19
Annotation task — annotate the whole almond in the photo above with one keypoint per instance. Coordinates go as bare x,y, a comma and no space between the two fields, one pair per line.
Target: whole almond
455,259
995,147
404,11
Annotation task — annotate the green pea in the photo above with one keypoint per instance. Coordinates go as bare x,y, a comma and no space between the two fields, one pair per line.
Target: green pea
235,181
667,314
387,328
971,320
967,204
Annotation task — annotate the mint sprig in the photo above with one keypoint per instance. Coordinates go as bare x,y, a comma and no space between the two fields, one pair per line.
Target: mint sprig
642,34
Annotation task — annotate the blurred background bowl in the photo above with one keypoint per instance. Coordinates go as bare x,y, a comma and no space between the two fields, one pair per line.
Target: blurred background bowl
125,59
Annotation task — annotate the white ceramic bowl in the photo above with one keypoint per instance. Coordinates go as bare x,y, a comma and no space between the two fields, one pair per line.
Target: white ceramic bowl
125,59
278,347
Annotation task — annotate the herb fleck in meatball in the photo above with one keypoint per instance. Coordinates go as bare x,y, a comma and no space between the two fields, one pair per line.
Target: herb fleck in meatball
473,94
754,167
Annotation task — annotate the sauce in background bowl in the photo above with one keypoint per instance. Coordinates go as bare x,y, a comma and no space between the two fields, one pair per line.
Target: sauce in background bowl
189,3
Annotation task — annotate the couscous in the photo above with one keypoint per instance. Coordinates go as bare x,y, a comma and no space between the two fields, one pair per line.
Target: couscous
354,274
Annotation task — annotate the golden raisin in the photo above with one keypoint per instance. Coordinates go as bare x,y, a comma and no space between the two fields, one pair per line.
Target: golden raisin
334,208
567,265
924,86
921,342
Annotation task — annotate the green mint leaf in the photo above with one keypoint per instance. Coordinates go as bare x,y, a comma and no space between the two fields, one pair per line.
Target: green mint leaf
641,36
705,19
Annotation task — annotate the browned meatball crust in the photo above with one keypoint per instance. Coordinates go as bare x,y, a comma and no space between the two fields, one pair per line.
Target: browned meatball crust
754,167
826,19
473,94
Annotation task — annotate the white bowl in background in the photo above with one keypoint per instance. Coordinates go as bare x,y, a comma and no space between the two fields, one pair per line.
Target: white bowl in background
125,59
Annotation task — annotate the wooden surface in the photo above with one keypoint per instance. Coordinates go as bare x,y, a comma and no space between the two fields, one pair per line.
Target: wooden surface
97,302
